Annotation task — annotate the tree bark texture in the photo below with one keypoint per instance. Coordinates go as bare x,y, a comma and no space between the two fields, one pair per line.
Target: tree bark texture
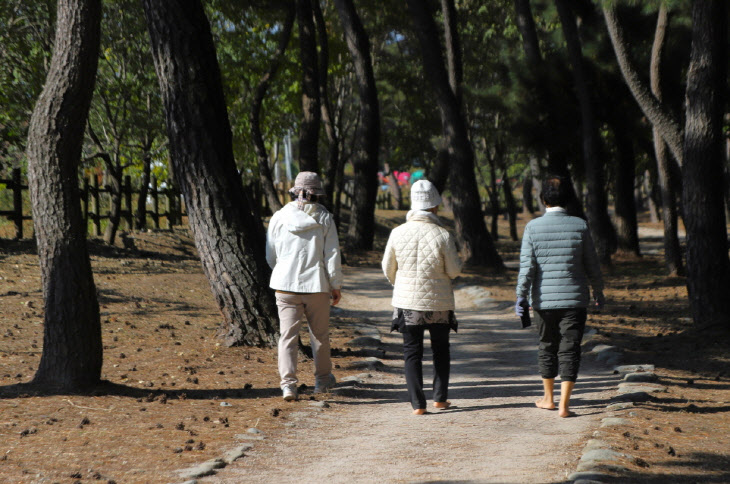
509,200
228,237
262,154
311,116
593,157
471,230
453,48
72,346
652,108
627,229
115,177
708,267
361,230
330,128
667,184
141,215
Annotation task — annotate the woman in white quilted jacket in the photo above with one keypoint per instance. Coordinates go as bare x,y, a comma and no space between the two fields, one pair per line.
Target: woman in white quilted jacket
420,261
303,250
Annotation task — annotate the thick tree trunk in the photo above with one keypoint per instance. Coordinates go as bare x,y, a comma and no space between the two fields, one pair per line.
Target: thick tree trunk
471,231
439,172
652,108
667,185
330,128
262,154
494,199
627,230
228,237
361,229
527,198
593,158
309,129
72,346
453,48
708,267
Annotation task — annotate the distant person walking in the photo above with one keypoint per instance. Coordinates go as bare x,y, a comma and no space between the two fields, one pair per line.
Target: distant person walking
420,261
303,250
557,263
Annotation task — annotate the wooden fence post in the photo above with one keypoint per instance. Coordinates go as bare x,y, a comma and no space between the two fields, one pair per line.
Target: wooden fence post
155,204
127,190
96,205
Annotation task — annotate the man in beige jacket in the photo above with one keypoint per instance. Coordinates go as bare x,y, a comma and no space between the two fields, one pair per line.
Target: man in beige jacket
420,261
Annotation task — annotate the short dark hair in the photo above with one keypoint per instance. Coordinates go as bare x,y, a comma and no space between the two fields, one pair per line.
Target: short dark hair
556,191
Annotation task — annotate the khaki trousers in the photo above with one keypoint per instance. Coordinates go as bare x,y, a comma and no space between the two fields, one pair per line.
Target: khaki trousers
292,309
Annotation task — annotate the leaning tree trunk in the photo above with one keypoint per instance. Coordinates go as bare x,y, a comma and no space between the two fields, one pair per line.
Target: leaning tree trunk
593,158
471,230
267,182
708,267
657,113
309,129
361,229
72,346
333,148
667,184
228,237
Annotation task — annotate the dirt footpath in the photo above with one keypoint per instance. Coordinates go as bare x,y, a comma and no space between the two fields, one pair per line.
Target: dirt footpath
492,433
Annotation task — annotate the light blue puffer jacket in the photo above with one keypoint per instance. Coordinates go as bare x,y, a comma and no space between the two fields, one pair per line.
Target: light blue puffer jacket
557,263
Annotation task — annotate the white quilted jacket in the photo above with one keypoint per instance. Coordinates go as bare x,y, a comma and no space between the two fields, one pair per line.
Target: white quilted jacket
420,261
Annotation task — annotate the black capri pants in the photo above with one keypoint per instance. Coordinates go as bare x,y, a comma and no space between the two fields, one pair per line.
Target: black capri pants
561,332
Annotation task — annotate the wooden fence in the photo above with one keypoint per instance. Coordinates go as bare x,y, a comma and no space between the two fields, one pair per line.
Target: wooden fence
169,198
91,193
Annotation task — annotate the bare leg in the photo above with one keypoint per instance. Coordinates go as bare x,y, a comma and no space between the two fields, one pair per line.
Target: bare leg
566,388
547,401
419,411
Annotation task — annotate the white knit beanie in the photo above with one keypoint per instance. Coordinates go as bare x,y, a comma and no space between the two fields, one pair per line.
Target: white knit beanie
424,195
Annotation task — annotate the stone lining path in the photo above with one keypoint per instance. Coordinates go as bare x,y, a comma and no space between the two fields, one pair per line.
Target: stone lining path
493,433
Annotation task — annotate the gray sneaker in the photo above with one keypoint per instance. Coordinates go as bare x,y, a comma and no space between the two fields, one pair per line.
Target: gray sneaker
290,393
326,385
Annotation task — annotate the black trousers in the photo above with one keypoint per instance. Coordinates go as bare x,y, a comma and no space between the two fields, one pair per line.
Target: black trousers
413,356
561,332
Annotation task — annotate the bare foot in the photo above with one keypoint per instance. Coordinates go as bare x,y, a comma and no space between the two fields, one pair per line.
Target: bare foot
419,411
546,404
566,413
442,405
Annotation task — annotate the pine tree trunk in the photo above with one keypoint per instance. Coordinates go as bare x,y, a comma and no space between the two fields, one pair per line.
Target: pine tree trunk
311,116
228,237
361,229
627,230
602,230
708,267
333,148
72,346
262,154
476,244
667,184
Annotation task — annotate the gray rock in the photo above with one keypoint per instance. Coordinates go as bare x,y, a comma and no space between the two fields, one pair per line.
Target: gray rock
633,368
602,455
320,404
642,376
601,348
590,476
632,396
226,404
364,341
236,453
597,466
248,437
619,406
371,363
594,444
253,430
614,422
363,376
640,387
207,468
353,379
